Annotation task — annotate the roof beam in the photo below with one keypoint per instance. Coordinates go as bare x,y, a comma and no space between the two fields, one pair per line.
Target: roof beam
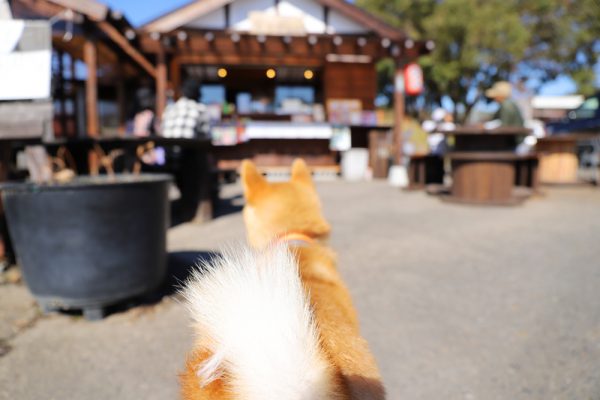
248,45
236,59
90,8
25,9
124,44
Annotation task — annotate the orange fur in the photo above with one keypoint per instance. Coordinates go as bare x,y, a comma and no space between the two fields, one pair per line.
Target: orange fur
272,210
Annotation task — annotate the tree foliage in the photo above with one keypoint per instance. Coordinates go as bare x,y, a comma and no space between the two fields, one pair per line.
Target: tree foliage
564,39
482,41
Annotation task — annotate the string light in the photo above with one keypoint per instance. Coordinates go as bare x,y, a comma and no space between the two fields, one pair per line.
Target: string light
182,36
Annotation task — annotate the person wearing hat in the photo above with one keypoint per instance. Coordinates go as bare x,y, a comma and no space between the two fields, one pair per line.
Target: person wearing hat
508,114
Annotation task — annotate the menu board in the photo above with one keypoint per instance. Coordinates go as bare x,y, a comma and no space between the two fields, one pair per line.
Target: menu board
344,111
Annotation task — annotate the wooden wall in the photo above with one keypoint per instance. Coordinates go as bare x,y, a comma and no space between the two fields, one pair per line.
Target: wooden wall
351,81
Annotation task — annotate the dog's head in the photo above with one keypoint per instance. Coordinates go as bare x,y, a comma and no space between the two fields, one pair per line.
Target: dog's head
274,209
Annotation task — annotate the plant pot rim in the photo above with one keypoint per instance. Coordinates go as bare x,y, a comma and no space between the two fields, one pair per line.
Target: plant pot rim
86,182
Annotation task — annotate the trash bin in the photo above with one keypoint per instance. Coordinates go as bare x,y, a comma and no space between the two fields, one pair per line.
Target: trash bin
354,164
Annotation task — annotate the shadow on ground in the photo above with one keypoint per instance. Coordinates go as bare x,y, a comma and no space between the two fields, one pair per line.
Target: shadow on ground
223,206
229,205
180,265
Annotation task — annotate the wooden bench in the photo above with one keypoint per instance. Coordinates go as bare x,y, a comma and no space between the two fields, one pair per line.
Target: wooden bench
425,169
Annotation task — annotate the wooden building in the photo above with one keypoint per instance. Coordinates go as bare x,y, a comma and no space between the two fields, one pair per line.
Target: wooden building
96,65
293,69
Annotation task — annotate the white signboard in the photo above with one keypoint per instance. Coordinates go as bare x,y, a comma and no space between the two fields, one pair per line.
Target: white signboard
278,25
25,60
25,76
10,32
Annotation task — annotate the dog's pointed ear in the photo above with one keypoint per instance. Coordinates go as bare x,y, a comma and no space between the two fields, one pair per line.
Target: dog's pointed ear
300,172
252,179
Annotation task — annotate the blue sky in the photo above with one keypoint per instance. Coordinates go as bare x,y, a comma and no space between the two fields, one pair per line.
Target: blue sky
141,11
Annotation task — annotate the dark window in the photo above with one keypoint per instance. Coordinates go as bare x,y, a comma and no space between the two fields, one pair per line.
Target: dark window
304,93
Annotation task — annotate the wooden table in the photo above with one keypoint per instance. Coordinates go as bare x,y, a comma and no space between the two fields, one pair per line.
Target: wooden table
558,157
484,166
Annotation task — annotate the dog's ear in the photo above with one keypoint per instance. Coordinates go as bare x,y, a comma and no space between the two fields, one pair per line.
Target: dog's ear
301,173
252,179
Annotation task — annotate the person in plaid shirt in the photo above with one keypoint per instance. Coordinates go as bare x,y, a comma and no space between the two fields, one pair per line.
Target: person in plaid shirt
186,118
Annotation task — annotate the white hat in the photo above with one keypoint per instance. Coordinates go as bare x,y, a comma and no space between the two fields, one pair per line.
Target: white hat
500,89
438,114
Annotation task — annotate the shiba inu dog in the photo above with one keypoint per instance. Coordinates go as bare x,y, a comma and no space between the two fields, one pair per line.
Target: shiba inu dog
274,320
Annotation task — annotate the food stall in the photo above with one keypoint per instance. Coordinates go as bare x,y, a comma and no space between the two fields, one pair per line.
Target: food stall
282,78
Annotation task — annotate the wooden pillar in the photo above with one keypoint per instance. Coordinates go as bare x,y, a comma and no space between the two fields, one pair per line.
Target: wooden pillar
121,101
61,94
398,114
176,76
161,82
73,96
90,57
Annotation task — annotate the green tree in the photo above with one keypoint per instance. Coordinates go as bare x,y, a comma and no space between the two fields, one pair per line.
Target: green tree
481,41
565,39
477,43
408,15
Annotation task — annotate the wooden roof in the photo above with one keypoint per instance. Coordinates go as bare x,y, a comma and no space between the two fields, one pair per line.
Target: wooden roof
112,29
91,9
198,8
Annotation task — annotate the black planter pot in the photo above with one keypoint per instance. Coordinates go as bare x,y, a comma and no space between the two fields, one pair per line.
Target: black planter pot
92,242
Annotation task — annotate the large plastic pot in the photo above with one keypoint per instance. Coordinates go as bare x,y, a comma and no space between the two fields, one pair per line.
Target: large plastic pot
92,242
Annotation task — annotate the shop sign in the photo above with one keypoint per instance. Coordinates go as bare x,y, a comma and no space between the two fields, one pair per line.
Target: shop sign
264,23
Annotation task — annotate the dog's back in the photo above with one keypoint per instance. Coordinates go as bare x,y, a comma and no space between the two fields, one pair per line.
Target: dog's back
276,321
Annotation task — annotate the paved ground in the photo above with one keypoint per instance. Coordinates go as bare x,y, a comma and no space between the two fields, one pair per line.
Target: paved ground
457,303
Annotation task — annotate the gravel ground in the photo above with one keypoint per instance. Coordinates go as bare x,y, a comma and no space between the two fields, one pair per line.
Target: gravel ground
457,303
